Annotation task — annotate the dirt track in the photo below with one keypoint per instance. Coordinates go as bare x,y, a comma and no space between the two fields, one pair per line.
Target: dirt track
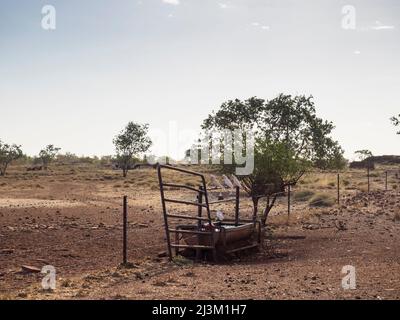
76,226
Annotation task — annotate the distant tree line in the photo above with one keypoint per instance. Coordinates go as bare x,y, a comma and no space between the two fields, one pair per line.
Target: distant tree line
290,139
13,152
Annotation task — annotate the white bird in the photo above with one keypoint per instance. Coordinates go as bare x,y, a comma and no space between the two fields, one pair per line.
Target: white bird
215,182
220,215
227,182
236,181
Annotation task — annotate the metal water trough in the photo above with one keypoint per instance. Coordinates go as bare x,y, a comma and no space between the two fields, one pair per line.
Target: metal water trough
224,234
205,234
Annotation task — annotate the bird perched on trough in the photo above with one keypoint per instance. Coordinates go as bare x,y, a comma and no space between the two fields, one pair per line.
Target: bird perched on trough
215,182
236,181
227,182
220,215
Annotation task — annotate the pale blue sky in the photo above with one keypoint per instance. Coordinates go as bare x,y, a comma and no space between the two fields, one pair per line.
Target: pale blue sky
109,62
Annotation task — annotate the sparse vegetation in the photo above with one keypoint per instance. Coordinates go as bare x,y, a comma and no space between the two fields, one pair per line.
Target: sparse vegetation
237,198
322,200
303,195
182,261
102,213
8,153
48,154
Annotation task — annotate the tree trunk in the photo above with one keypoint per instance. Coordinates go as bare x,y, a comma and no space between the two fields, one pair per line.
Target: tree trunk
3,170
267,210
125,171
255,207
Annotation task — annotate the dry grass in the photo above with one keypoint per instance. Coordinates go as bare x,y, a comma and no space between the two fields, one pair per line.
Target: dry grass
303,195
106,179
322,200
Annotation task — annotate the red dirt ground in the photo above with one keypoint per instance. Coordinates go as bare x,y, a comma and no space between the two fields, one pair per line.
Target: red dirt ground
75,225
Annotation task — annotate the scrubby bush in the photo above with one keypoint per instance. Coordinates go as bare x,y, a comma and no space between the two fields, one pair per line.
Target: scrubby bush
303,195
8,154
48,154
322,200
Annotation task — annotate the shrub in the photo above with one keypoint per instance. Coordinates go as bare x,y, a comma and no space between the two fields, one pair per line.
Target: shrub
182,261
322,200
303,195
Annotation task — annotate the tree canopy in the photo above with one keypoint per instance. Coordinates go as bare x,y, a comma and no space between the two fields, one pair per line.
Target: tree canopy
289,139
363,154
8,153
48,154
131,142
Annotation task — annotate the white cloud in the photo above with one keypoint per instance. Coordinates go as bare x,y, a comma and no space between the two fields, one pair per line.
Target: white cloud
380,26
383,28
357,52
259,25
173,2
223,5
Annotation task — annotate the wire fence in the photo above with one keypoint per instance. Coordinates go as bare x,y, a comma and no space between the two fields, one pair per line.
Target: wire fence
315,189
325,189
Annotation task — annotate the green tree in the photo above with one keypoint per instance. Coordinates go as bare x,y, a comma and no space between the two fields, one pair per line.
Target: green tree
363,154
289,139
8,153
275,167
396,122
130,143
48,154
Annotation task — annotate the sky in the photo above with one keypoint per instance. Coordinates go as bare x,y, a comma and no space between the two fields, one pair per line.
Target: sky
169,63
